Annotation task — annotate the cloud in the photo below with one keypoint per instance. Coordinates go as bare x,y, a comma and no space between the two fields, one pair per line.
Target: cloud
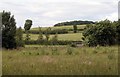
49,12
112,16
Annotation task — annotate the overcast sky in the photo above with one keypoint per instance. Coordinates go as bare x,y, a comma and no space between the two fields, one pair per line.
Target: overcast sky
49,12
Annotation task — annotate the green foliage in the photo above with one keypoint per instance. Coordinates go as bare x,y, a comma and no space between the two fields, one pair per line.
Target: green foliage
8,30
118,31
45,42
54,39
64,37
27,38
75,28
54,31
58,30
28,24
19,37
103,33
40,37
47,35
74,22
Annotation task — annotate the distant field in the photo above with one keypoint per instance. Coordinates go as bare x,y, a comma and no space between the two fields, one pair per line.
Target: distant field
62,27
71,36
60,60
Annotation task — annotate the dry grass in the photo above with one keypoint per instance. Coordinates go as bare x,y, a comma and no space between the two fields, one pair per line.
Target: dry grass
53,60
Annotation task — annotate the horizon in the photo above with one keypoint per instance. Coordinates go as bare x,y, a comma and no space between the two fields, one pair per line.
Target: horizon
46,13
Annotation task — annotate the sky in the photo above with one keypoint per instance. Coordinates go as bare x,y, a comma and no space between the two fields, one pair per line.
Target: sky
46,13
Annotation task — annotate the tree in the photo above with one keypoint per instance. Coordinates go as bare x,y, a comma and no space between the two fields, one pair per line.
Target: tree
103,33
0,30
75,28
27,38
8,30
19,37
40,37
47,35
118,31
28,24
54,39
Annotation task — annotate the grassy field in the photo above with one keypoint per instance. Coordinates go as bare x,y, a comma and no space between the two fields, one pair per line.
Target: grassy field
71,36
60,60
61,27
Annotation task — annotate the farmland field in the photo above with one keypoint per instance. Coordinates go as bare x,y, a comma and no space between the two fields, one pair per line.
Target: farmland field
59,38
71,36
62,27
60,60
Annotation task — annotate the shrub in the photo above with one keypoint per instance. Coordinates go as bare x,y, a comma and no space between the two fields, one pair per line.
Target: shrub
40,37
54,31
8,28
73,45
27,38
54,39
103,33
19,37
50,42
75,28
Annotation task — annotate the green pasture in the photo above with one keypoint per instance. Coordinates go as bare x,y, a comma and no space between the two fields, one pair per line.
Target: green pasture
71,36
61,27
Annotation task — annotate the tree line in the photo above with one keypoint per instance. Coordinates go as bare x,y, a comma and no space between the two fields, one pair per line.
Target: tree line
102,33
74,23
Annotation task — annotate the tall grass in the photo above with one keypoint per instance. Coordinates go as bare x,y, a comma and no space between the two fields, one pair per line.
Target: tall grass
53,60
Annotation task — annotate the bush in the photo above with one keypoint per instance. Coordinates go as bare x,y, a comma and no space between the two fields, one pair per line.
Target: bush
73,45
103,33
19,37
50,42
54,31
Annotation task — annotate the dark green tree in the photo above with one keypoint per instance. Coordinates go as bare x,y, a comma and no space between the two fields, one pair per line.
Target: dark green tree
103,33
8,30
19,37
27,38
118,31
28,24
75,28
0,30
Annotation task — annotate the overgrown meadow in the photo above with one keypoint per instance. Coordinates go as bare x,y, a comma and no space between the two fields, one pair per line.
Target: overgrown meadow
68,48
60,60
